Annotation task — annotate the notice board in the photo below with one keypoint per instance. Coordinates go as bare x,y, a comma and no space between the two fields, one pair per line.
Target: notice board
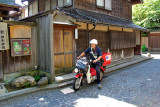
4,39
20,47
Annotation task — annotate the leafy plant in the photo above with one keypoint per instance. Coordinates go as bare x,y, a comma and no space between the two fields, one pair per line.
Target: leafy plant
27,84
37,77
6,82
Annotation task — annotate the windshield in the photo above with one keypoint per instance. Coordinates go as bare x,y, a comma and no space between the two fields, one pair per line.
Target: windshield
81,63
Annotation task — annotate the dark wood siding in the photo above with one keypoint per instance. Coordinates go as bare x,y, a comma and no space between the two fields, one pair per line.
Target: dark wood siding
121,40
120,8
101,36
120,44
81,42
103,39
128,52
41,5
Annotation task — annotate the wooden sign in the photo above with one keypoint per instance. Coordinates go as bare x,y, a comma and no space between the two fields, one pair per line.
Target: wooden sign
20,47
20,32
4,40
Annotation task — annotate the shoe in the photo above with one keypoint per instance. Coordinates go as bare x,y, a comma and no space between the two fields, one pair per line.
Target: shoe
99,86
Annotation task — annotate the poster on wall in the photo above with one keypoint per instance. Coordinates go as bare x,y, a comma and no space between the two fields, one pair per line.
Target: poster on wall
20,47
4,39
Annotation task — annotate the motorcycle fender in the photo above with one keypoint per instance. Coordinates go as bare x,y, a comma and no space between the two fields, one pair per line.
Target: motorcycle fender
78,75
102,69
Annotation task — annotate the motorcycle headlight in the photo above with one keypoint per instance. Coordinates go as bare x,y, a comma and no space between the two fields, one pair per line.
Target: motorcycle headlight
75,70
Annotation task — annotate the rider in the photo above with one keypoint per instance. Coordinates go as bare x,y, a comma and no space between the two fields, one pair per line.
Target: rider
96,55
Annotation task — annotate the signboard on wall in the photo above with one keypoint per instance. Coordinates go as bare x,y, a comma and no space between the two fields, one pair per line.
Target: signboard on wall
4,40
20,32
20,47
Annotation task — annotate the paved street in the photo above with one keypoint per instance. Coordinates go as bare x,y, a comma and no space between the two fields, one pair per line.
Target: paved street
138,85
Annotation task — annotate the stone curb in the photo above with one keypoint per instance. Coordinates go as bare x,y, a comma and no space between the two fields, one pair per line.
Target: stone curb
54,86
34,89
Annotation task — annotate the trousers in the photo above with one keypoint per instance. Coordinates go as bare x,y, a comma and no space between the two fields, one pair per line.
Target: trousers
97,67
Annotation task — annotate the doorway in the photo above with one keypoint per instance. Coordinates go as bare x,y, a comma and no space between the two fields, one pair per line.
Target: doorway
64,52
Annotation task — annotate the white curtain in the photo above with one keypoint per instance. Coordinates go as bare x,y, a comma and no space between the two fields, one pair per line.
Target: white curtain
100,3
108,4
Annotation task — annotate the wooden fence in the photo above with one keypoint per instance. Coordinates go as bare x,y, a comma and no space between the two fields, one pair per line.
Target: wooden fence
154,42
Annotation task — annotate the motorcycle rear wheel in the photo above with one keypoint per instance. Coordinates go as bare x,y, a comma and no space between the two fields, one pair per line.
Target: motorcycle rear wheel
77,84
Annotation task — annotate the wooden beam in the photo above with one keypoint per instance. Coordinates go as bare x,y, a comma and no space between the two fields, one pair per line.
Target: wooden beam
10,6
32,24
7,9
1,69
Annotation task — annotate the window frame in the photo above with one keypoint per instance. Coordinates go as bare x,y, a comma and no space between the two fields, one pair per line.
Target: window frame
65,5
103,7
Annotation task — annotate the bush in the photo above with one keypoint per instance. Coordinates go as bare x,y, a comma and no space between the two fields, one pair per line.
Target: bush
37,77
143,48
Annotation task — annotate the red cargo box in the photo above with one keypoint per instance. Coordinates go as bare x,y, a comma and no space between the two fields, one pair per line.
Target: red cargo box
107,58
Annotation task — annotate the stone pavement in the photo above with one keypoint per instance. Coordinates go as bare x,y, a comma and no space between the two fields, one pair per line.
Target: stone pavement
138,85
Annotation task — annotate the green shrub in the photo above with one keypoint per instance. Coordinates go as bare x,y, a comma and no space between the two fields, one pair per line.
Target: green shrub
37,77
27,84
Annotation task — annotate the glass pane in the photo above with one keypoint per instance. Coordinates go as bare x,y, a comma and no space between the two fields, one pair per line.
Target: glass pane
100,3
108,5
67,2
58,41
60,3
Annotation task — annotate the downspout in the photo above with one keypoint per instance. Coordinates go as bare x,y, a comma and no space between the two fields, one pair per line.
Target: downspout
89,32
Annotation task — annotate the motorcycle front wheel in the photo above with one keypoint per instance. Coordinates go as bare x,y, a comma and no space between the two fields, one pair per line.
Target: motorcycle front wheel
77,84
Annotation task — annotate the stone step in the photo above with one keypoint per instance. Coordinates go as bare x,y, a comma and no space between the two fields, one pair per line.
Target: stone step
115,63
64,78
126,64
69,77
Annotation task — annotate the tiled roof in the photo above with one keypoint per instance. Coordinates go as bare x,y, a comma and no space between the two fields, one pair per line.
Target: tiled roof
9,2
88,16
154,29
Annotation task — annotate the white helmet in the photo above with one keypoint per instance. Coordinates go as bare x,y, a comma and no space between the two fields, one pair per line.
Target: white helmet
94,41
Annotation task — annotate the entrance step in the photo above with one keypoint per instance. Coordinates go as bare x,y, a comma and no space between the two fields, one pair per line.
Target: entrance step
112,67
120,66
115,63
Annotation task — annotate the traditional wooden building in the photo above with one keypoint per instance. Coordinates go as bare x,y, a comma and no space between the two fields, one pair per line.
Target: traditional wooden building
64,28
6,6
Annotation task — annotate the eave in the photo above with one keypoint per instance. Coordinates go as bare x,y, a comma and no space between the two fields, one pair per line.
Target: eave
134,2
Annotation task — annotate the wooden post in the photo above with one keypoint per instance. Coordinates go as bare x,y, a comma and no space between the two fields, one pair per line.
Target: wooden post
140,42
52,70
1,69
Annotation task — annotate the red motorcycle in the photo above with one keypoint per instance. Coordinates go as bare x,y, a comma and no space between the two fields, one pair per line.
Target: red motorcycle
86,73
